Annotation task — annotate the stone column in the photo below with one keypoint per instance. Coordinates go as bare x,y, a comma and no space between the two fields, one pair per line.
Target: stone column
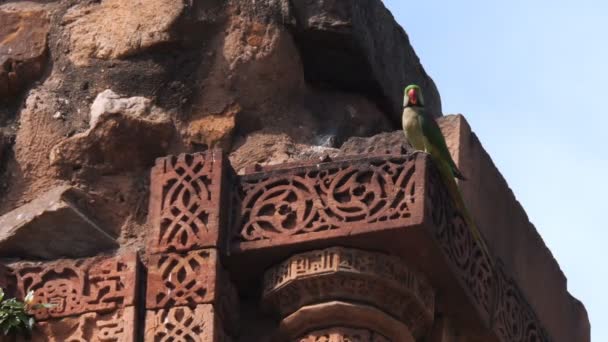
343,294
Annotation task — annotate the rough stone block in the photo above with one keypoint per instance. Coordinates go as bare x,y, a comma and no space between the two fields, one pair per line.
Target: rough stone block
181,323
52,226
357,45
100,284
23,46
191,279
118,326
125,133
186,202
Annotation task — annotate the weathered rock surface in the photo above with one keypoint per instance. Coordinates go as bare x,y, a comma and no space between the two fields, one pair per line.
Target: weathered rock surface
268,81
124,134
356,45
114,28
52,226
23,46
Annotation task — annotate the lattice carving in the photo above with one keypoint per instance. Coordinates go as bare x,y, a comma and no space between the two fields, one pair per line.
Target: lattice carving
185,324
463,253
343,335
185,202
515,320
117,326
329,196
349,274
77,286
190,279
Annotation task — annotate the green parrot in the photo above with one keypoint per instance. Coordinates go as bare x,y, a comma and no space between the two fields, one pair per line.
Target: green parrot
423,133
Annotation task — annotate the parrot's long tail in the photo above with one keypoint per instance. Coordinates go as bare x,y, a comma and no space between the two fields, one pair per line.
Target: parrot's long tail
454,191
448,179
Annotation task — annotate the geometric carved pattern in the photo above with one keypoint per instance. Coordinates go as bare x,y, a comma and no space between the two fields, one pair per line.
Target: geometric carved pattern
340,334
515,320
364,193
185,202
117,326
463,253
184,324
99,284
353,275
496,296
190,279
310,203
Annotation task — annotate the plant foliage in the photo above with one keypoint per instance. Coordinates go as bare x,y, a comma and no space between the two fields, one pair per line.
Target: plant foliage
14,317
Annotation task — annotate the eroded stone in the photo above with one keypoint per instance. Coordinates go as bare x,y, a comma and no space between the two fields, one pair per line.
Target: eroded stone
23,46
115,28
52,226
214,130
125,134
357,45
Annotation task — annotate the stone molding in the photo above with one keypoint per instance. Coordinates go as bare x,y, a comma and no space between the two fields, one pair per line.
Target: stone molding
351,275
341,314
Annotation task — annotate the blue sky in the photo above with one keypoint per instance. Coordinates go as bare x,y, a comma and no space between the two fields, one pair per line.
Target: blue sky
530,77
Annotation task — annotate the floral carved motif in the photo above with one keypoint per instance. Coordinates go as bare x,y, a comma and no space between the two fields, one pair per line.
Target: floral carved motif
350,274
463,253
198,324
343,335
327,196
79,286
494,293
185,202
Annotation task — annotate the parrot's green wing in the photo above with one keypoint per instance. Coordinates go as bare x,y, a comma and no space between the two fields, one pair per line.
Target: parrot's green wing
433,134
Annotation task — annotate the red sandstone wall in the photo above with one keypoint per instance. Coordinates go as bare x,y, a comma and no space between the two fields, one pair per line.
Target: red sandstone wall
512,237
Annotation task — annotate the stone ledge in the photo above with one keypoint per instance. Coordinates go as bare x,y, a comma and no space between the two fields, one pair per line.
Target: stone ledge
355,276
51,227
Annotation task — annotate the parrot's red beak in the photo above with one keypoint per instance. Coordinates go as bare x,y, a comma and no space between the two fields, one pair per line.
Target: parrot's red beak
412,95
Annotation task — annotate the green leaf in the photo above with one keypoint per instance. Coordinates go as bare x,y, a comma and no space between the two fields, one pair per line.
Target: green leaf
1,294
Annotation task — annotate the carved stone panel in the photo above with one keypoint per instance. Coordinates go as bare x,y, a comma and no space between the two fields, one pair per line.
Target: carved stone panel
352,275
181,323
117,326
341,334
185,200
328,199
100,284
463,254
190,279
514,319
